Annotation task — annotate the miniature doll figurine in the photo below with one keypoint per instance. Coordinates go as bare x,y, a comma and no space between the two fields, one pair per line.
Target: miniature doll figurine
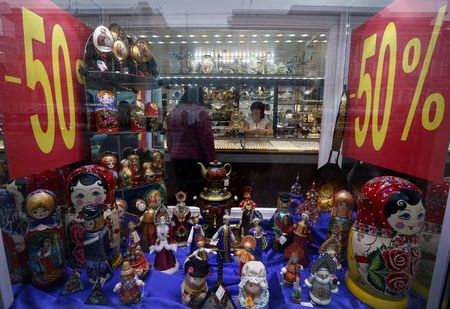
245,255
110,161
44,239
124,218
194,287
296,296
247,206
128,287
148,175
154,197
148,229
126,174
253,288
282,222
258,232
134,254
73,284
158,165
223,238
106,112
341,218
296,197
383,250
320,282
196,230
135,166
291,272
97,248
165,246
200,253
180,219
331,246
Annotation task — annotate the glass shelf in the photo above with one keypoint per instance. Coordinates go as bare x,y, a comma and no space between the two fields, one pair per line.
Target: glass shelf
120,81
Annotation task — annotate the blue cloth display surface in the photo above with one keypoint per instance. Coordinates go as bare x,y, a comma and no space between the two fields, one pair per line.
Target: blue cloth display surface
164,291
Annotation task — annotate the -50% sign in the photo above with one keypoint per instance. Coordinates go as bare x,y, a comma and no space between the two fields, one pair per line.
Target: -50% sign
410,62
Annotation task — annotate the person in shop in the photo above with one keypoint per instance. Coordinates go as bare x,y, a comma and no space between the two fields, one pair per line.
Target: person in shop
189,141
257,125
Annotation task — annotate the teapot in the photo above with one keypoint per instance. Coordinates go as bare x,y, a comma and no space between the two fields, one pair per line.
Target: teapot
215,174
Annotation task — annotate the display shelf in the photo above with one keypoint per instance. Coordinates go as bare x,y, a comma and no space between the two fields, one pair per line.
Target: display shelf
120,81
137,187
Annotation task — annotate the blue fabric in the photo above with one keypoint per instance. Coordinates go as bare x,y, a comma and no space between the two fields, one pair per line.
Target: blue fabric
164,291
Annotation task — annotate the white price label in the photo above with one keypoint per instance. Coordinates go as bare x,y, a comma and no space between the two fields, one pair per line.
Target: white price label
282,239
220,293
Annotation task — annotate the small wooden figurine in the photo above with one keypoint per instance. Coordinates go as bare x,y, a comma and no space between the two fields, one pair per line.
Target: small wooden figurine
200,253
180,219
321,283
341,218
196,230
125,174
291,272
148,229
224,238
158,165
253,288
194,287
128,287
282,222
134,254
245,255
258,232
247,206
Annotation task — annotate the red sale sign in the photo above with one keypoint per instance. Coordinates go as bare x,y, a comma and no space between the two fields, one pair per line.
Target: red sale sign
398,114
42,92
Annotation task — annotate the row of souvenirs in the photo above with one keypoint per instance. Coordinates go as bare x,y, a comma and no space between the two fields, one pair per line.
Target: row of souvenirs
108,116
383,249
138,166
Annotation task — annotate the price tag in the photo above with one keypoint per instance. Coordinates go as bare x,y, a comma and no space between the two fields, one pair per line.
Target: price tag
220,293
282,239
226,181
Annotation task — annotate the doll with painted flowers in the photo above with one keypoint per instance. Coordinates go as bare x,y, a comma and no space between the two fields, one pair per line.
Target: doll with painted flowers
383,251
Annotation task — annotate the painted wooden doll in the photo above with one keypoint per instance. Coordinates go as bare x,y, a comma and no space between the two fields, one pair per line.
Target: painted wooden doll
158,165
341,218
253,288
44,239
282,222
110,161
200,253
224,238
165,245
137,114
296,196
435,203
124,217
320,282
258,232
134,254
129,285
91,184
383,251
196,230
148,230
106,112
97,249
194,288
245,254
135,166
247,206
291,272
126,174
180,219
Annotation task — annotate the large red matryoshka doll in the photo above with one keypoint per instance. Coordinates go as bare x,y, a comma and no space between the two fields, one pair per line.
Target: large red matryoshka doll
383,250
435,202
91,184
106,112
44,239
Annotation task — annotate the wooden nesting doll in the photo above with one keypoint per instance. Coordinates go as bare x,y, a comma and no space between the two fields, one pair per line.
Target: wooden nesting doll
44,239
383,250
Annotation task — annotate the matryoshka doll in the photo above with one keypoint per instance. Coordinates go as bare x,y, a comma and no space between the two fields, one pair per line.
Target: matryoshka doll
135,166
341,217
110,161
44,239
383,250
435,202
126,174
91,184
152,116
137,116
158,165
106,112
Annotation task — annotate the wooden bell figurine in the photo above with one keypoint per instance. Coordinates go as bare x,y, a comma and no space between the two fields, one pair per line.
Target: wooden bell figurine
321,283
194,288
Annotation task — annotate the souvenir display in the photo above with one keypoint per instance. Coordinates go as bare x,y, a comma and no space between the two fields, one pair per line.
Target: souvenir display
97,249
320,282
158,165
247,206
181,215
134,254
97,295
194,287
73,284
120,52
296,195
383,250
435,202
102,39
196,230
282,222
258,232
110,161
152,116
224,238
199,253
245,255
106,112
91,184
137,116
253,288
124,218
165,246
129,285
291,272
215,200
341,218
135,166
44,239
126,174
148,229
301,232
13,223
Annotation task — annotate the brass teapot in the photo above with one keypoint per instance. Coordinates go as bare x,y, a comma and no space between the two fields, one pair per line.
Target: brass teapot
215,174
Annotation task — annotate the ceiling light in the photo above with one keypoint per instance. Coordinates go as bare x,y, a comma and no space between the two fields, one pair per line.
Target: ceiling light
183,42
241,35
324,41
254,35
204,36
217,35
167,36
292,34
241,42
253,41
315,41
179,35
150,42
192,35
277,41
172,42
304,35
279,34
288,41
206,42
195,42
160,42
322,35
265,41
300,41
230,42
267,35
218,42
142,36
155,36
229,36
